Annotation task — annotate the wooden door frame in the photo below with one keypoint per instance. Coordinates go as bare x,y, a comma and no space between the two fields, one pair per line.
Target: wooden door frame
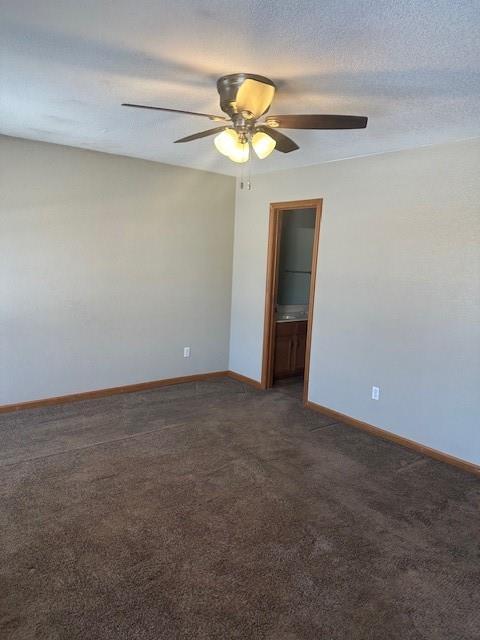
273,255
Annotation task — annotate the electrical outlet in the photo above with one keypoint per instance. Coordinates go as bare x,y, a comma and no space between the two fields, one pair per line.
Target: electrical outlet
186,352
375,393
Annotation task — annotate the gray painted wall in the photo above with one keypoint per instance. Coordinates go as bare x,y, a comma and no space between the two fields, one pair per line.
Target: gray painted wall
398,289
109,266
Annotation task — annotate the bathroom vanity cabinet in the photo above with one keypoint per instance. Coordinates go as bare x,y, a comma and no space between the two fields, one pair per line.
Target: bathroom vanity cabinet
290,344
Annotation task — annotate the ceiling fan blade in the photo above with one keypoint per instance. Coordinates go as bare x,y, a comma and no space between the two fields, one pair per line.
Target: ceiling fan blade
315,121
255,97
189,113
202,134
284,143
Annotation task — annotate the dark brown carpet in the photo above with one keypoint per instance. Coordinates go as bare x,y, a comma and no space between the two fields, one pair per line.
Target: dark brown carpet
212,511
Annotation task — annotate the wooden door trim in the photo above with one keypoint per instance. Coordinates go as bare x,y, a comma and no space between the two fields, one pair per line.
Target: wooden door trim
311,300
271,286
276,210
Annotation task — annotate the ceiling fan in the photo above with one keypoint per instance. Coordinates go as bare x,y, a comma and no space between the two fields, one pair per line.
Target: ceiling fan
245,98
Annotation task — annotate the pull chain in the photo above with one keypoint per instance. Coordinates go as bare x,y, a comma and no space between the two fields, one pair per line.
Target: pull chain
245,183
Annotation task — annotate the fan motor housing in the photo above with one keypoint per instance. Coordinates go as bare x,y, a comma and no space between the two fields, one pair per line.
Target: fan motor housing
228,87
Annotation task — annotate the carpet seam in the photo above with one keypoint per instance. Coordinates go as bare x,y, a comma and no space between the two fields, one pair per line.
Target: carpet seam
324,426
91,446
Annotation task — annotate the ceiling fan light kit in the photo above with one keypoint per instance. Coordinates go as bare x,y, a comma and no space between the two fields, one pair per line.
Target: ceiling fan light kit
263,144
229,144
245,98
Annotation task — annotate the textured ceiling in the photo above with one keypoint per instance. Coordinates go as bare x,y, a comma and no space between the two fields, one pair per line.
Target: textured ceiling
411,66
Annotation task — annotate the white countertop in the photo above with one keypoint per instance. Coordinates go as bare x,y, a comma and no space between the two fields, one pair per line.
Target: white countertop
280,318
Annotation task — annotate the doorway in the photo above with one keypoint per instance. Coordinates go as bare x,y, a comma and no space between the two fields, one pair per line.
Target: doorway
293,239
